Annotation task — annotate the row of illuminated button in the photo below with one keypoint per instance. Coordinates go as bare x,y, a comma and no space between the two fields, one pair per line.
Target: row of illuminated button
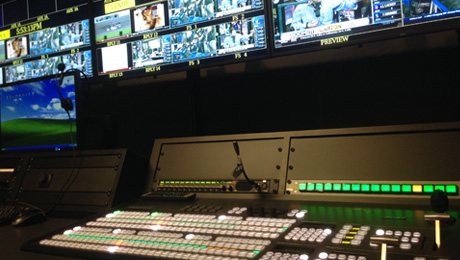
259,232
171,251
377,188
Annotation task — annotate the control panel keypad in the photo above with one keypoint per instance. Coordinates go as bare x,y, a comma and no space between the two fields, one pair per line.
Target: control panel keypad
350,235
407,238
304,234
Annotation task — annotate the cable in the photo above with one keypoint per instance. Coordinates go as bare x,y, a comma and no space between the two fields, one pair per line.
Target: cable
240,168
65,105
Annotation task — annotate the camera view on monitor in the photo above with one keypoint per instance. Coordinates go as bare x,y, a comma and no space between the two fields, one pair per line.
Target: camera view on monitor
60,38
112,26
49,66
2,51
242,35
227,7
16,48
184,12
32,116
151,17
426,10
151,52
194,44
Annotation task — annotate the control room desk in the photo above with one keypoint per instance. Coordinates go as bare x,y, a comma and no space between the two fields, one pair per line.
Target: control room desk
12,238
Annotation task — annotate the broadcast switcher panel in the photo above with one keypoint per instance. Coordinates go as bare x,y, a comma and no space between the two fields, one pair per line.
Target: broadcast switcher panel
250,229
349,194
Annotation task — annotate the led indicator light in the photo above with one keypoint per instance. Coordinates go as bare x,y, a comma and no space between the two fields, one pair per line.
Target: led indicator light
375,188
337,187
386,188
328,186
451,189
319,187
310,186
407,188
417,188
428,188
395,188
302,186
365,187
355,187
346,187
440,187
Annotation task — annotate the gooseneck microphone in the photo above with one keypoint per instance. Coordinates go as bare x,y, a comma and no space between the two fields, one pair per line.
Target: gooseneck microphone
239,165
240,168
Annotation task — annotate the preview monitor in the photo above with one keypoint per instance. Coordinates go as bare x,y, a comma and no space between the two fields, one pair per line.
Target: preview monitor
32,117
316,24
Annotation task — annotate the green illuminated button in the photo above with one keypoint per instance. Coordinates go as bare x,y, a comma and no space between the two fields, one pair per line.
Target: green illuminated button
328,186
311,186
440,187
337,187
386,188
375,187
356,187
428,188
365,187
319,187
395,188
407,188
451,189
302,186
346,187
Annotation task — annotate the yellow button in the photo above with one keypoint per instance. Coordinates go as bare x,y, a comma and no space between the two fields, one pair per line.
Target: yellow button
417,188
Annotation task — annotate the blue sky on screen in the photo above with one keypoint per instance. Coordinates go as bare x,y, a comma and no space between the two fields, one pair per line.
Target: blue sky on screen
36,100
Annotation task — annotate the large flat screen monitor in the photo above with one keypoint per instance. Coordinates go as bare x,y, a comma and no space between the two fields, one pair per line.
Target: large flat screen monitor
32,117
317,24
164,36
32,49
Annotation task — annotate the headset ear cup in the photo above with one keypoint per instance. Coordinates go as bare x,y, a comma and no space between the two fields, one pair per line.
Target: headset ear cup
67,104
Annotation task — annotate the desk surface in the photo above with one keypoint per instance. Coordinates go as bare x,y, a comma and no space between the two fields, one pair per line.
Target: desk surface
12,238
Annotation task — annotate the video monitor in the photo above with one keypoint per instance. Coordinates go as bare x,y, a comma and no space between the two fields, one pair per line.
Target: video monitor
46,41
429,10
114,58
2,51
113,26
151,52
43,67
16,73
49,66
32,117
228,7
242,35
17,48
79,60
318,24
183,12
194,44
74,35
151,17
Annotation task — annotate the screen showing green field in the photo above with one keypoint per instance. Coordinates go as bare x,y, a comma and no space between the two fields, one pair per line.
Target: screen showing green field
32,116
